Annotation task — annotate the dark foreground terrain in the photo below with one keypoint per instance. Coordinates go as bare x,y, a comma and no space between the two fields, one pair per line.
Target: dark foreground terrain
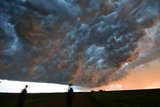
137,98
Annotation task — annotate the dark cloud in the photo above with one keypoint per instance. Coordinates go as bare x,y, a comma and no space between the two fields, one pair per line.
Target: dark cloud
87,42
64,8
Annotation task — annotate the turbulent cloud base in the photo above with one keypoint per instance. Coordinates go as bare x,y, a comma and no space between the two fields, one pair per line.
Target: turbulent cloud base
86,42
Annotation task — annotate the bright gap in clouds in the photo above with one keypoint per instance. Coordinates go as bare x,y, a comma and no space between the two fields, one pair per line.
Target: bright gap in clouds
33,87
141,77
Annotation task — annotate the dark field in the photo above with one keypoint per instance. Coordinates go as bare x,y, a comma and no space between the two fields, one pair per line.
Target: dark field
137,98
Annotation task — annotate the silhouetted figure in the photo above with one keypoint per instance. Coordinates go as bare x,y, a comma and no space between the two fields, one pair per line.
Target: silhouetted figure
22,97
70,96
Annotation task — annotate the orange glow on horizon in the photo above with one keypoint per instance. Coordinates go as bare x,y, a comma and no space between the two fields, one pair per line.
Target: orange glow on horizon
142,77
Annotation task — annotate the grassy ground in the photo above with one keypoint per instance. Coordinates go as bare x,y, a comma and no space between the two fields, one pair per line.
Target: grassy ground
10,99
139,98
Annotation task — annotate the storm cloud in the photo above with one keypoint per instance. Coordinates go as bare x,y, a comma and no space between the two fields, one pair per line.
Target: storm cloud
87,42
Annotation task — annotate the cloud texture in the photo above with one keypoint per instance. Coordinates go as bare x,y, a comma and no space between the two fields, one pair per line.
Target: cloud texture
87,42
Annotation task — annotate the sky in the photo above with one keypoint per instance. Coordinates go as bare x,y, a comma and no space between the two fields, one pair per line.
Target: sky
90,43
146,76
141,77
10,86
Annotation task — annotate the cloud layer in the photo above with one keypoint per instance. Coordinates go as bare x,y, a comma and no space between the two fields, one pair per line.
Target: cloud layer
87,42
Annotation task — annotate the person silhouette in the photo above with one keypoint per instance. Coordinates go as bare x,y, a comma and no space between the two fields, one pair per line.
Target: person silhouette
22,97
70,95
